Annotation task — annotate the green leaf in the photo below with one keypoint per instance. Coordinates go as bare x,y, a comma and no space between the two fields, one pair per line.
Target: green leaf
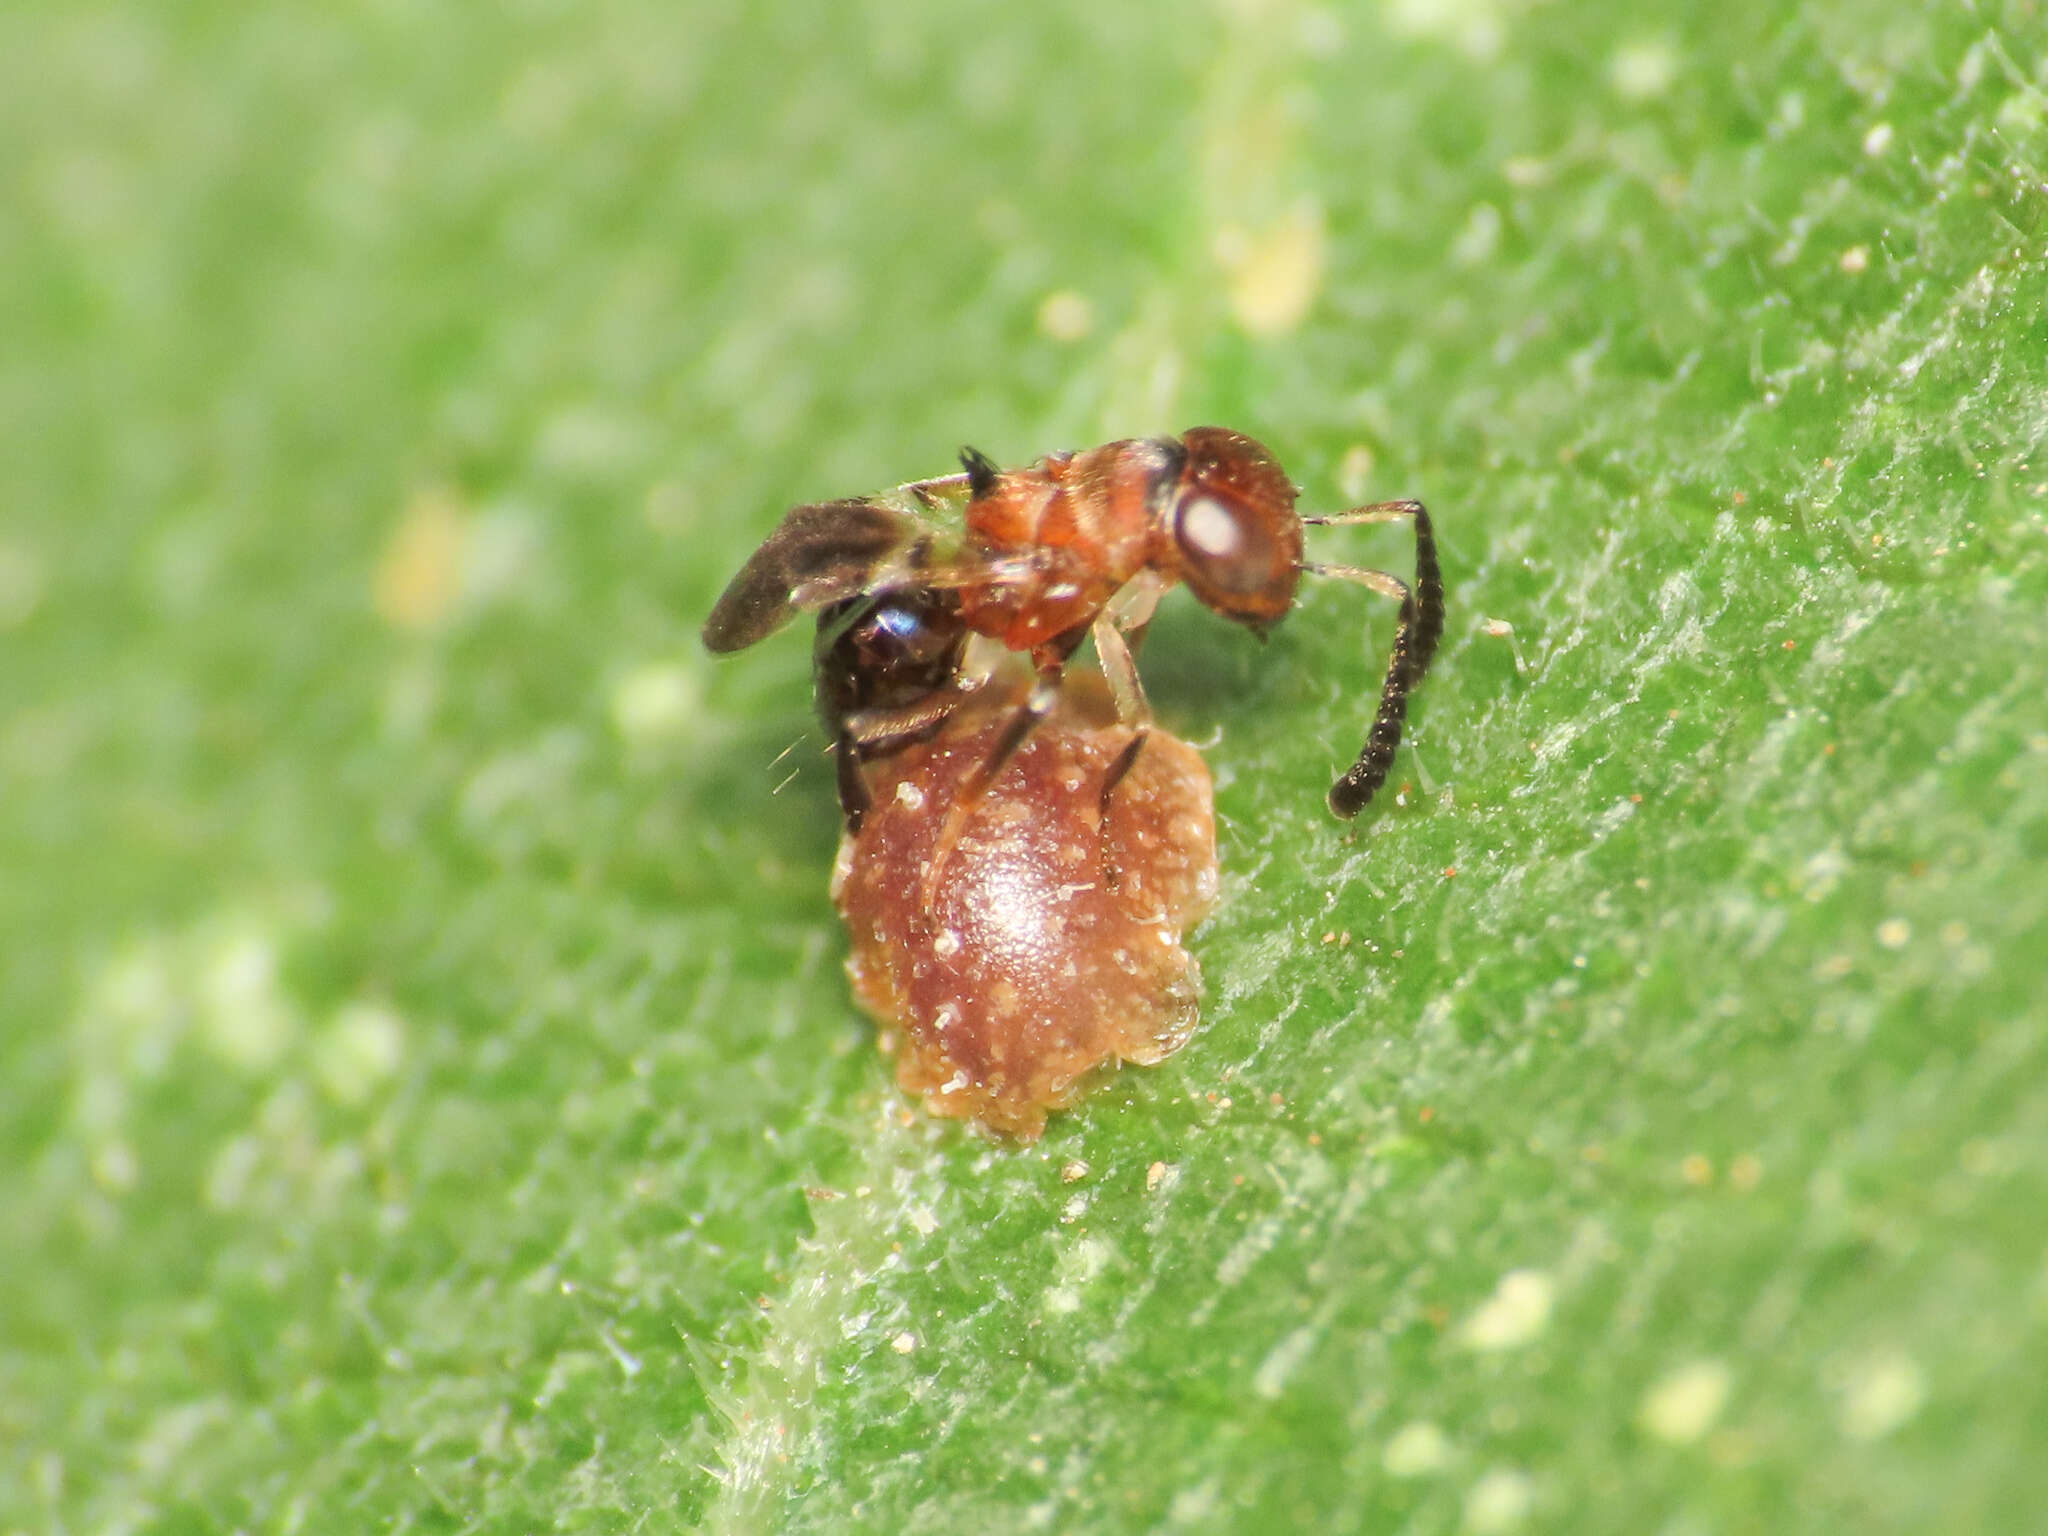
428,1094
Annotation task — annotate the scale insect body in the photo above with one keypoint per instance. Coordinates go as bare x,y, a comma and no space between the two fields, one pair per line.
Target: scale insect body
1077,544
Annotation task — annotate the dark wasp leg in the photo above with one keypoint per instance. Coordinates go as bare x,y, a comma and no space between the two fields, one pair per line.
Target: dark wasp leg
1120,668
1416,633
854,798
1040,702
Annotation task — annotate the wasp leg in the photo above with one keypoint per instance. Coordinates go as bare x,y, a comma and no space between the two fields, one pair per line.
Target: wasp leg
870,733
1119,631
1040,702
876,732
854,798
1420,626
1120,667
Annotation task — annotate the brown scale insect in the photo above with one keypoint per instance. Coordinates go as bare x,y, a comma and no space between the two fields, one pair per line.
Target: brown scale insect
914,616
1021,971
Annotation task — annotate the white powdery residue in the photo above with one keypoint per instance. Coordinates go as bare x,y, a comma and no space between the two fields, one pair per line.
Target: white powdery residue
1832,649
1822,873
166,1442
1641,71
113,1166
503,556
1477,242
359,1051
1613,819
132,1017
1248,1250
1557,741
1270,1380
1499,1502
1417,1450
245,1017
655,704
1687,1403
1882,1394
1476,28
1066,316
587,441
1195,1506
235,1166
1515,1314
496,792
1079,1263
1085,1260
1354,472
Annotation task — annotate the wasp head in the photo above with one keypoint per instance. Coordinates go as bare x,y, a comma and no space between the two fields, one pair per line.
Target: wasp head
1236,540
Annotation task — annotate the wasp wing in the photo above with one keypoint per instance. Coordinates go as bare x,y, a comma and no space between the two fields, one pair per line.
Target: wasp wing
821,553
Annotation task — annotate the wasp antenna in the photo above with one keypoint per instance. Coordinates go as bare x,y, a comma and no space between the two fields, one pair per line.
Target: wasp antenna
1420,627
981,472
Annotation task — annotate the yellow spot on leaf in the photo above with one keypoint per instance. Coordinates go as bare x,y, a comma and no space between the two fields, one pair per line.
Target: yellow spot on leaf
1276,274
419,575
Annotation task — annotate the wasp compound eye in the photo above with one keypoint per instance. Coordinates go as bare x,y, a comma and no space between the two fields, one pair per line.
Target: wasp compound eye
1238,559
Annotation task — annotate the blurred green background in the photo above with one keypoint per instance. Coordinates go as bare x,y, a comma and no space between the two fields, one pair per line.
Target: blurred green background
429,1099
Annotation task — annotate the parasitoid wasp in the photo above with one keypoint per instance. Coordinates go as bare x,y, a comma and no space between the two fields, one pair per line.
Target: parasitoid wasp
914,614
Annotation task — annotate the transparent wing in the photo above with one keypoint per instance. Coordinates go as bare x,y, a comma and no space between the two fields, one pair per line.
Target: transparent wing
827,551
821,553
